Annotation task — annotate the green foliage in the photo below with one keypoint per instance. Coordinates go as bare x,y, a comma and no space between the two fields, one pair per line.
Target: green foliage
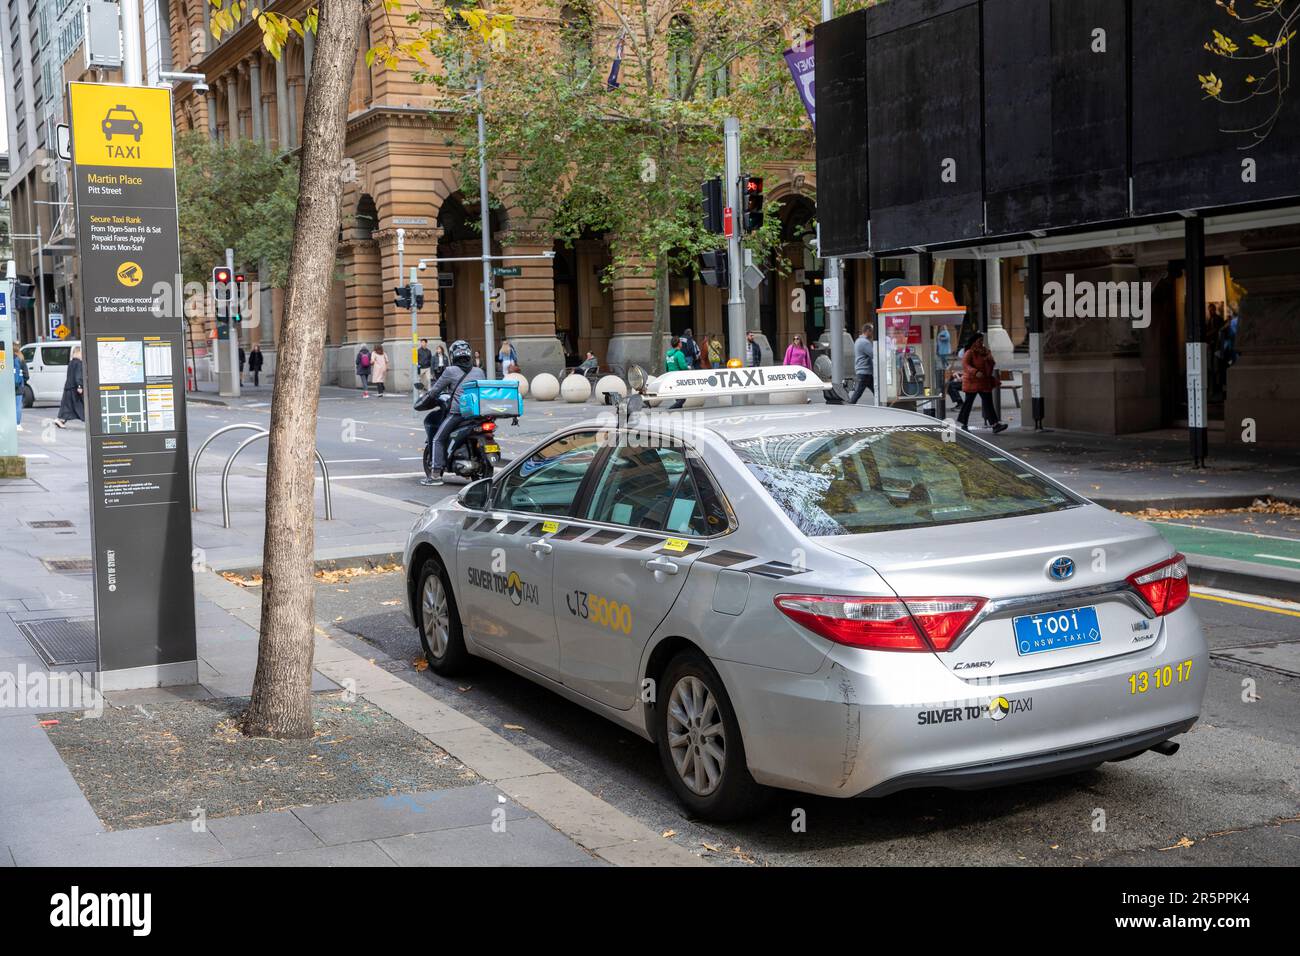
241,196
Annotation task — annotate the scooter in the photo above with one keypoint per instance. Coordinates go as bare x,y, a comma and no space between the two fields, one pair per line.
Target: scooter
472,449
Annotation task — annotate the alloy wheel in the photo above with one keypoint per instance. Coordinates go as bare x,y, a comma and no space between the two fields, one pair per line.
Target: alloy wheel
697,739
436,615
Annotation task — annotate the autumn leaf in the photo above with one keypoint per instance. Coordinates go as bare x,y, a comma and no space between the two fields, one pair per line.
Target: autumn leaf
420,664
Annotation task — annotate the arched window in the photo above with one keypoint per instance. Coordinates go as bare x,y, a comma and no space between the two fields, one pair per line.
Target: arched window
681,52
577,38
717,82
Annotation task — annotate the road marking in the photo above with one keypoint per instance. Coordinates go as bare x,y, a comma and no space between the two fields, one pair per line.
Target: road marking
349,461
403,474
1253,605
1278,557
1251,534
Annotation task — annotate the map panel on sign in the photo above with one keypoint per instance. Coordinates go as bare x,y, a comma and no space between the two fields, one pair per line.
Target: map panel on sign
123,410
121,363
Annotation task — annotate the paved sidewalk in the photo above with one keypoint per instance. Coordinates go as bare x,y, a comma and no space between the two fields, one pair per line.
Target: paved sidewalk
522,812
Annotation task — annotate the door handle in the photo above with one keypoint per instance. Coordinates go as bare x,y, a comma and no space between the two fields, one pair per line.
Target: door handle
661,564
540,547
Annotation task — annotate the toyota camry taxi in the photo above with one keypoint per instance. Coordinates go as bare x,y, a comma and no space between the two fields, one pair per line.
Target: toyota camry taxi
781,592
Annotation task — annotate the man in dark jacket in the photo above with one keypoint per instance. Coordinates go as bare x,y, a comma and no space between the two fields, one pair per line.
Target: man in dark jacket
752,350
424,363
255,365
440,422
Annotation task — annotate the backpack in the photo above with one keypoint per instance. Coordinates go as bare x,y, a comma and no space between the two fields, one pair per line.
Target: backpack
364,358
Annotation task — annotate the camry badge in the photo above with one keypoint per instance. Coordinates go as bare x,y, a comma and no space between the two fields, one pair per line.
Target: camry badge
1061,569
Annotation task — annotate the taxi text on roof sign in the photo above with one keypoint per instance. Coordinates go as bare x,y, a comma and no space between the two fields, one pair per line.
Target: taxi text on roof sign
121,126
756,380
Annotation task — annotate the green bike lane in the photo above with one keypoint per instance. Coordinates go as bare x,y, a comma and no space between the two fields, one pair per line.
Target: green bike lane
1273,550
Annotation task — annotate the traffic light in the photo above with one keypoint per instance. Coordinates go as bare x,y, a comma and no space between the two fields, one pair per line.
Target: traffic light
751,189
221,291
714,200
417,296
240,279
25,294
402,296
713,269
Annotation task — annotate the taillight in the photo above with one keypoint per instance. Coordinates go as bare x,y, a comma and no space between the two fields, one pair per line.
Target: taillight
488,427
1164,586
881,623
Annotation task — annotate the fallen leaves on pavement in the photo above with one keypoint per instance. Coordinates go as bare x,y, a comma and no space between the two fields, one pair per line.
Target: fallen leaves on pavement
1269,506
1180,845
331,576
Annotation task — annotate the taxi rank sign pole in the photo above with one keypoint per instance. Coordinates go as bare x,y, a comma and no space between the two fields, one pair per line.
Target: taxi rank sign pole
138,459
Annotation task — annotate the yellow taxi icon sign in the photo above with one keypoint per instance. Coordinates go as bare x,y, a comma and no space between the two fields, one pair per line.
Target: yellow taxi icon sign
129,274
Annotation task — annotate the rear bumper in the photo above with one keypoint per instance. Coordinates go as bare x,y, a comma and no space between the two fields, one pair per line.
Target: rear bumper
1034,767
873,723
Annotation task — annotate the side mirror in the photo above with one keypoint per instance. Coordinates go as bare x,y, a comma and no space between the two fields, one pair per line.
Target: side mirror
476,495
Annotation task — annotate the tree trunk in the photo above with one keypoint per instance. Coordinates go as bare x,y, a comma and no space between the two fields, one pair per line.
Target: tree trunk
281,703
661,327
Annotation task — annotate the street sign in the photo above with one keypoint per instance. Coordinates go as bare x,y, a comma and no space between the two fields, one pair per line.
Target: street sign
728,222
138,460
507,272
56,320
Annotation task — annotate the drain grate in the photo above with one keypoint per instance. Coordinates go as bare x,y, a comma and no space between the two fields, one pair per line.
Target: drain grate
69,565
62,640
49,524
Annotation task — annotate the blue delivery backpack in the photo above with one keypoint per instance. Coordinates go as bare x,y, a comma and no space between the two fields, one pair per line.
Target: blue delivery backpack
491,397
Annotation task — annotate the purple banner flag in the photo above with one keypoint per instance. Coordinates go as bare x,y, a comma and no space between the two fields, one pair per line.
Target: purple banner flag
801,65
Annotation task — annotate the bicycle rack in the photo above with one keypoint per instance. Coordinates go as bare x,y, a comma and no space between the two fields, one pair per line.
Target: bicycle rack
225,478
194,465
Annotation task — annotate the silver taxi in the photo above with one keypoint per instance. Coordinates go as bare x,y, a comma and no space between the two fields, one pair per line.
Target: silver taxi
848,601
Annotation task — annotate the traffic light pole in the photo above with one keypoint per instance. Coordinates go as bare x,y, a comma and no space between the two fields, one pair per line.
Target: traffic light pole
485,226
234,328
735,258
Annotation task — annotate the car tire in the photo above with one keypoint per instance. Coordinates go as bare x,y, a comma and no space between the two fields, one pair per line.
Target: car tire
711,788
29,397
438,620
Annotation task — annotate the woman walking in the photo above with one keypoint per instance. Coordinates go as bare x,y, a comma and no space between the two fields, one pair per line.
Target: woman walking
797,354
364,360
977,378
715,351
379,369
74,392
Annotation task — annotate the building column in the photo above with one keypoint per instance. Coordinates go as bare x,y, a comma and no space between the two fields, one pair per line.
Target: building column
281,104
232,107
1198,366
255,105
529,306
633,293
211,99
308,51
999,342
295,100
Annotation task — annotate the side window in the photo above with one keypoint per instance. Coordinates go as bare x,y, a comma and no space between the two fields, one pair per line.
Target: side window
56,354
547,481
29,353
697,508
637,487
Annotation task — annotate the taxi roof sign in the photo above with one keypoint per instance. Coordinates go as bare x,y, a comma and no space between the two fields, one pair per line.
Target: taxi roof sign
920,300
754,380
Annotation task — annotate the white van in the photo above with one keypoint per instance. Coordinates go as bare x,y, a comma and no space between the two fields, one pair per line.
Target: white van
47,369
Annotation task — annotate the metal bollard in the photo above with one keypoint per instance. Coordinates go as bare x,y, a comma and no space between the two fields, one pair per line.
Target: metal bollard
225,479
194,463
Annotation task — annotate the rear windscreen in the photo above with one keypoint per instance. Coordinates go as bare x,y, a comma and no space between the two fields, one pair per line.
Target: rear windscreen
854,481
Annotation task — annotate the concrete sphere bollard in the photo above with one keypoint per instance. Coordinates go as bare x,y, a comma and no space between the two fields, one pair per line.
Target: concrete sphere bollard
546,387
522,380
575,389
610,384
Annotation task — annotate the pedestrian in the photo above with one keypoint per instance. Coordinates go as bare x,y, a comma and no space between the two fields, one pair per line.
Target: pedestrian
690,349
255,365
589,365
715,352
797,353
440,359
21,377
241,365
379,369
478,359
864,350
675,361
424,363
943,346
363,370
753,350
74,391
507,359
978,379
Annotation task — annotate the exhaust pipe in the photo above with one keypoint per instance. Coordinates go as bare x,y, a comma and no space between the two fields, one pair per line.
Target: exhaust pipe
1166,747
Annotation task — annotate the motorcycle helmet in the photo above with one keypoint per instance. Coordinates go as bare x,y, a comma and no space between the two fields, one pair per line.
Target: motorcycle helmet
461,354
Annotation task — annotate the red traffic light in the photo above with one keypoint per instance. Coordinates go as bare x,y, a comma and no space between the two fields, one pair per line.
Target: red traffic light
239,277
754,184
220,275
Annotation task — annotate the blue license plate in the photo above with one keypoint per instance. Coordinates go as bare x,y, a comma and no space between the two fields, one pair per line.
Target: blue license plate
1073,627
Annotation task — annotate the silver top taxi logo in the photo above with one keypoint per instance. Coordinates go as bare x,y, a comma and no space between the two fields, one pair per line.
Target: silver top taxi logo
1061,569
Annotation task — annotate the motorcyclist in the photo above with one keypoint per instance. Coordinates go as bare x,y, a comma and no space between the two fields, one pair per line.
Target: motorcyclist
442,419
